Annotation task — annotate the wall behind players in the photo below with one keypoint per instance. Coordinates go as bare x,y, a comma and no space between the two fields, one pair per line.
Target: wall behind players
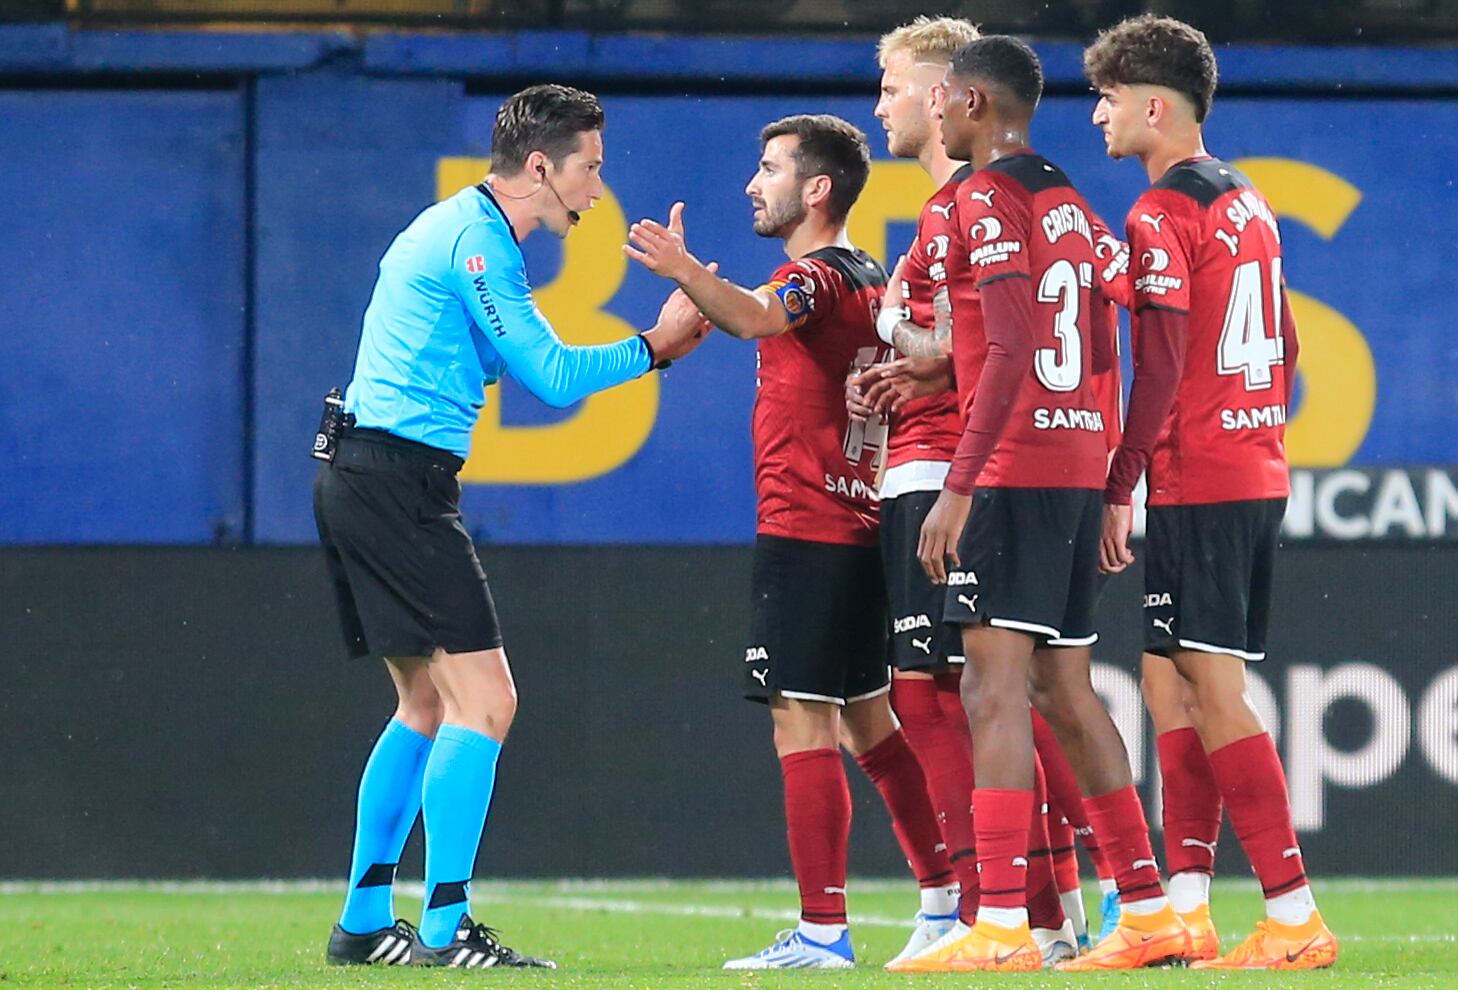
220,732
138,349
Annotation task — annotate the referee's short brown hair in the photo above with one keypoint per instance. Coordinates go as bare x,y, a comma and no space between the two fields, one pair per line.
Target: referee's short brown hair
546,118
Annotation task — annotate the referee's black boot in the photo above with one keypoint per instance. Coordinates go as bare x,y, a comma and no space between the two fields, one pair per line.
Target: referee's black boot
474,947
386,947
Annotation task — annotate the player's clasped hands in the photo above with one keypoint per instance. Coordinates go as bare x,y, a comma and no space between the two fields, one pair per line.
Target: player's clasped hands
883,389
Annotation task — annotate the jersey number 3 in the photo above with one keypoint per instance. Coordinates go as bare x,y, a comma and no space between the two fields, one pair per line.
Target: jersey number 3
1060,368
1244,347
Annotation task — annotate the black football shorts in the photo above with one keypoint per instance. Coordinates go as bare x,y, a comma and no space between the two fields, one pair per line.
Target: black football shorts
1029,562
405,573
920,640
818,622
1207,576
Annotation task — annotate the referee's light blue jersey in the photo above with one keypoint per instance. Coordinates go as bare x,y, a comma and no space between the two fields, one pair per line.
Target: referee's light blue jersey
451,311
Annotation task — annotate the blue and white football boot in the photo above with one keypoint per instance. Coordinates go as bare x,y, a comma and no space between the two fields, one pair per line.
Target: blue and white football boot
793,950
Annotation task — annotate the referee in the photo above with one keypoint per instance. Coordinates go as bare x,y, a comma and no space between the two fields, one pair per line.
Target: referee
452,311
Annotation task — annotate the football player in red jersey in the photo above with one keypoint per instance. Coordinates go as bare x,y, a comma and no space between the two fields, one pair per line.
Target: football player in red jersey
926,655
817,655
1029,329
922,438
1215,353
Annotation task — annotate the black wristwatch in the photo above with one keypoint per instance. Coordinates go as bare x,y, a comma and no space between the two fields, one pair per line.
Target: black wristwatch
653,362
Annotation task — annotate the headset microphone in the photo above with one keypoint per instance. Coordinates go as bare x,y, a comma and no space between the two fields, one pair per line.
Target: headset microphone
572,214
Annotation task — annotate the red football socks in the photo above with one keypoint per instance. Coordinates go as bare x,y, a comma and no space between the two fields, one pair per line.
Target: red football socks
1191,803
894,769
949,693
1000,818
1254,787
947,764
817,822
1118,818
1065,854
1045,910
1064,794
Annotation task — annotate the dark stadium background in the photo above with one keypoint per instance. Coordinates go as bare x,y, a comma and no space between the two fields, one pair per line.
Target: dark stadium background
195,194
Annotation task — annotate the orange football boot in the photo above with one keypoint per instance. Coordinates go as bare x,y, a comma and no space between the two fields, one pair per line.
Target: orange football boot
1139,940
1276,946
986,948
1203,936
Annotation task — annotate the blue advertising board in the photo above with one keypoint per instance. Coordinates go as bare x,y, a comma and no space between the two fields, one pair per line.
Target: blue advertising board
122,348
136,345
668,460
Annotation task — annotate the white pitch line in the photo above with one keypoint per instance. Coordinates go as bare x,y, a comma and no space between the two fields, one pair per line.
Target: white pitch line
527,894
738,913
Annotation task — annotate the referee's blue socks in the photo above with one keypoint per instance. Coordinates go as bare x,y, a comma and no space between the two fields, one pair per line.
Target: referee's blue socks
389,800
459,778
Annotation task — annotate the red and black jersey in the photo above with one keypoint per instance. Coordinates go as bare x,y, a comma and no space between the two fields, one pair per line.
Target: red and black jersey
815,470
928,429
1022,222
1205,243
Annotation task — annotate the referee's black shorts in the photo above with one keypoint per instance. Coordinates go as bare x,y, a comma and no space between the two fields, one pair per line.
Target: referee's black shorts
405,572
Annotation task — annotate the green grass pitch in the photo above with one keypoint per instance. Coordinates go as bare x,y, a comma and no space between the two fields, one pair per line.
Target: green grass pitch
645,935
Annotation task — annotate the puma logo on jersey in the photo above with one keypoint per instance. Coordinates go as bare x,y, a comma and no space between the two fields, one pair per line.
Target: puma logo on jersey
1197,844
1155,260
971,603
991,228
945,210
985,198
1141,863
924,645
1152,221
1166,624
761,675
